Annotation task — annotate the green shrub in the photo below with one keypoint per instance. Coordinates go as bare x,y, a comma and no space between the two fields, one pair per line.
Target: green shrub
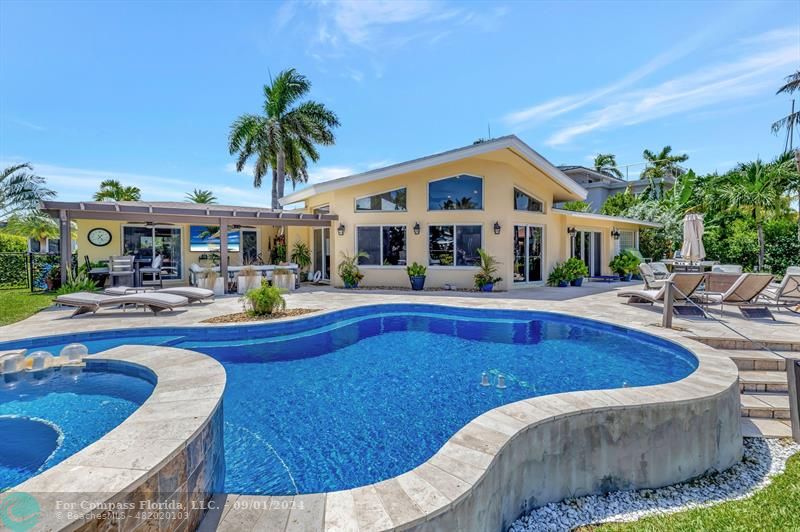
264,300
617,204
575,268
624,263
577,206
416,270
558,274
78,283
348,269
488,269
13,243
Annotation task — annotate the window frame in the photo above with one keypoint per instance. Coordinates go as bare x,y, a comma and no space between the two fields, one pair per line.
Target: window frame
382,265
534,196
455,227
321,206
428,194
634,235
153,228
355,200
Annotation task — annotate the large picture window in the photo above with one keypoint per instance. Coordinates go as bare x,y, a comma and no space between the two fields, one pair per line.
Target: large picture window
524,202
385,245
458,193
454,245
394,200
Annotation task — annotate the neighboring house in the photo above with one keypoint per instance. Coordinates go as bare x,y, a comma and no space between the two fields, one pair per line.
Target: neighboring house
498,195
600,186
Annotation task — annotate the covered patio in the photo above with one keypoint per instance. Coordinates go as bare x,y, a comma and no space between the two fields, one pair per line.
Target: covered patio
107,218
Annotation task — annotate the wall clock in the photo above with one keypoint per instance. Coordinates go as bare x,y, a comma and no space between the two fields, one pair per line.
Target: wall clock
99,236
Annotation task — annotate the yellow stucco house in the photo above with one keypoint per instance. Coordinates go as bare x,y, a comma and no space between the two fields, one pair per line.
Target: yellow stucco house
438,210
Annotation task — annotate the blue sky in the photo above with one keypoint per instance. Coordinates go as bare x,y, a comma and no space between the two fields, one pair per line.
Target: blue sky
145,92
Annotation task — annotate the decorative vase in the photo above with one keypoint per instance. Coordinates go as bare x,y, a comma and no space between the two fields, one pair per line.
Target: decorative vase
488,287
627,277
417,282
245,283
563,284
351,284
577,282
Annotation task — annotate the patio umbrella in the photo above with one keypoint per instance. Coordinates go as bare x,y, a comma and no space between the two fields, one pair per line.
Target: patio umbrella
692,249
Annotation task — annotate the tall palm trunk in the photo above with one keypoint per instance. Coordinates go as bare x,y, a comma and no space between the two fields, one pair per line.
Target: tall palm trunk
274,188
760,231
281,176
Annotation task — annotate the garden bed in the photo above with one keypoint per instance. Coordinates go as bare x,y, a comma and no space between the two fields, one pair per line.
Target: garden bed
241,317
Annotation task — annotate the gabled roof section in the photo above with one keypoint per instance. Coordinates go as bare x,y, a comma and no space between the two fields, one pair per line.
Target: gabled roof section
596,216
510,142
570,169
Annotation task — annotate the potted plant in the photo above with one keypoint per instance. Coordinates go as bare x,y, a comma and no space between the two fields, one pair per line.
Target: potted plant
283,278
247,279
576,270
485,279
624,264
211,280
301,256
559,276
348,269
264,300
416,275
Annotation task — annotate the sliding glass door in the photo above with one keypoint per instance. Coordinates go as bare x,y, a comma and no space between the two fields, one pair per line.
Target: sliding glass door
144,242
321,254
528,253
586,245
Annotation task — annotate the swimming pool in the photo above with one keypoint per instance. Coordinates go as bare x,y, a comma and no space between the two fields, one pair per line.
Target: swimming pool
47,416
353,397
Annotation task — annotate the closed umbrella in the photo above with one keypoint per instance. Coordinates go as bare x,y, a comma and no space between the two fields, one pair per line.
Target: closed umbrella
692,249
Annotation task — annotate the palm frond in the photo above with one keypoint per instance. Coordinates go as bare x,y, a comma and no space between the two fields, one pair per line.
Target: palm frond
792,83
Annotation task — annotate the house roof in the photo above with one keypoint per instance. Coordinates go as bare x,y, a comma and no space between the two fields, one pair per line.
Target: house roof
510,142
599,175
595,216
181,212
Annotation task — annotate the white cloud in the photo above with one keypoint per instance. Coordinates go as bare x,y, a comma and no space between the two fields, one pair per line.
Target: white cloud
754,72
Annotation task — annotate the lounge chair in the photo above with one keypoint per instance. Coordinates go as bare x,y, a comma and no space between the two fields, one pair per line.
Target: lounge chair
685,283
659,270
192,293
649,276
785,294
744,293
726,268
90,302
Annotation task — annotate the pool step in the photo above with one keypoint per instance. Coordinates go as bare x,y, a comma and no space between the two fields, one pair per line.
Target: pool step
765,405
754,360
763,381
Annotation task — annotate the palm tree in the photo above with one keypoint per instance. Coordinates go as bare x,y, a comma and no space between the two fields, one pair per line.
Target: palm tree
111,189
21,190
35,225
199,195
606,163
284,138
660,165
787,170
753,188
792,120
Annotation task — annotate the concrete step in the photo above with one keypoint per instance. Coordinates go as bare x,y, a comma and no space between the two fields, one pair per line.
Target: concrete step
763,381
766,428
757,360
765,405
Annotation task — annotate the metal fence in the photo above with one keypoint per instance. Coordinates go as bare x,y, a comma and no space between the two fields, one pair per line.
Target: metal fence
37,272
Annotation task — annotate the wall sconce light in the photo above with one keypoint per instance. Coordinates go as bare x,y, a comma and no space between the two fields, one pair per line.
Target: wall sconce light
416,228
571,231
340,229
497,228
614,233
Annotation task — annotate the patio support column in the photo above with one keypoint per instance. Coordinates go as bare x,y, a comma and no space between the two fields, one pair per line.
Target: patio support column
65,245
223,253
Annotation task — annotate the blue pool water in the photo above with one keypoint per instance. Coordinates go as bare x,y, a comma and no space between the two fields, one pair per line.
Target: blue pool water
353,397
46,417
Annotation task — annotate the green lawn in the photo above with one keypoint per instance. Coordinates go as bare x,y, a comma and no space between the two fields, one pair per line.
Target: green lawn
777,507
18,304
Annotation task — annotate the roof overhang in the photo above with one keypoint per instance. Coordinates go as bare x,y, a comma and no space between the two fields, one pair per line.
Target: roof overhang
190,213
510,142
604,217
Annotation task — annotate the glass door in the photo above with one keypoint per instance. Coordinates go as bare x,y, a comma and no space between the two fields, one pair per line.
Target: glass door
321,254
249,246
146,242
586,245
528,253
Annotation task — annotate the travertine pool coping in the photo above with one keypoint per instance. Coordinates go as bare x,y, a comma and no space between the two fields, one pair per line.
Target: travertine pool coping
187,393
416,499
